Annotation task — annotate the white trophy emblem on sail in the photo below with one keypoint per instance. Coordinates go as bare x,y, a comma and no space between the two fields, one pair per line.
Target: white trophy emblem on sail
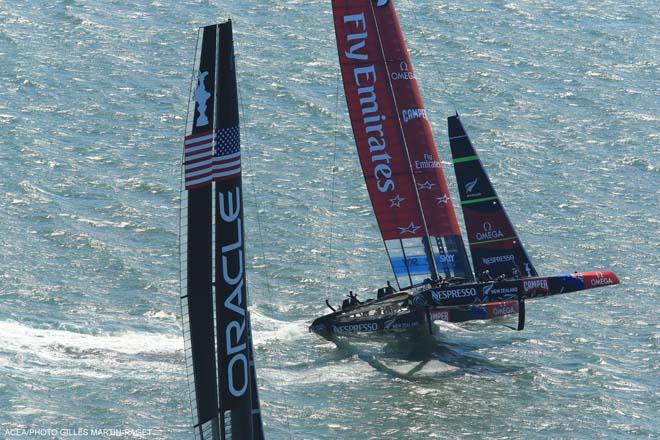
201,96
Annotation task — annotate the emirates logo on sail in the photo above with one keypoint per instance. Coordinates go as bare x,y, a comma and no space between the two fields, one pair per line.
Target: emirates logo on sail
428,162
365,80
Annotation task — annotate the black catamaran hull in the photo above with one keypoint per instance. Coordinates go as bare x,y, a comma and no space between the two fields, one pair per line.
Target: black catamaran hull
454,303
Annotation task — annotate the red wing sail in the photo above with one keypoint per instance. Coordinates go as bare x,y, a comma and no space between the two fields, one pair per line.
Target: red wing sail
374,119
412,120
494,244
399,159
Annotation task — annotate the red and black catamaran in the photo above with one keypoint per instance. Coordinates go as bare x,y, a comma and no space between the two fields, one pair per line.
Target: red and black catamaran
412,203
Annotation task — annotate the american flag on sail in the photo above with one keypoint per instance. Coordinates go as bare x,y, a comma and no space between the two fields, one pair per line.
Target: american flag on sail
209,156
227,158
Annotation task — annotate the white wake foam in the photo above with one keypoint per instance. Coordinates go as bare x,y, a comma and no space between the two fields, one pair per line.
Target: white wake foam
20,338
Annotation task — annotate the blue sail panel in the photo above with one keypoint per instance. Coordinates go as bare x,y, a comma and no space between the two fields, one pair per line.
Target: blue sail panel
418,264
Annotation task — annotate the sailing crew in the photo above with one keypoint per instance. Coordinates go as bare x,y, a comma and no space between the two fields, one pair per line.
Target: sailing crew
485,276
352,298
515,273
384,291
438,283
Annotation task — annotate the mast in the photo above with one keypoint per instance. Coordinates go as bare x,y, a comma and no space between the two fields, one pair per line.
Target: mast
214,291
402,171
494,243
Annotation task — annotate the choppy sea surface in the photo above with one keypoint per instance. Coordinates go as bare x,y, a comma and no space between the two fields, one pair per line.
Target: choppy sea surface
562,99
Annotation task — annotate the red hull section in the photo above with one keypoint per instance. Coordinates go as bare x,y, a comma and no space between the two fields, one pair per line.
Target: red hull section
598,279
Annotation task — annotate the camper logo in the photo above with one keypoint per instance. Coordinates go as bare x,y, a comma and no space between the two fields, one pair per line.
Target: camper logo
440,315
201,96
537,285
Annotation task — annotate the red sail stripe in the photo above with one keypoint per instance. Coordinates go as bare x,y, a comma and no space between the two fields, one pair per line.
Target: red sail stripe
196,136
206,175
199,154
202,146
198,159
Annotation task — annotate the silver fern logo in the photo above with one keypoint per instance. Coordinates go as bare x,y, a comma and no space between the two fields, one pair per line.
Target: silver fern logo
469,187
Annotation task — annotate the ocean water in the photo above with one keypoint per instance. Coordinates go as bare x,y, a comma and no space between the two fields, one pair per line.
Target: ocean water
562,99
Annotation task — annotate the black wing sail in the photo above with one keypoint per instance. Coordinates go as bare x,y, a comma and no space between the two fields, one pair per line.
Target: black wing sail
494,243
238,400
217,330
196,236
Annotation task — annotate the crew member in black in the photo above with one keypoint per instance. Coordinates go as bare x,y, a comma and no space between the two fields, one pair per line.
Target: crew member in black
485,276
353,298
438,283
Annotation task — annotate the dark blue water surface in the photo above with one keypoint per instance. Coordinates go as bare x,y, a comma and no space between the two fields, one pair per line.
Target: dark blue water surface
562,100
